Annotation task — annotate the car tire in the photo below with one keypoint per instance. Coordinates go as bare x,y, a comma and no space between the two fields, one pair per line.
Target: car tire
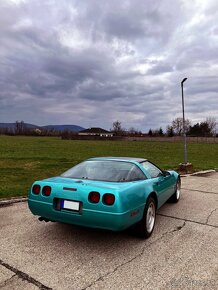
145,227
176,196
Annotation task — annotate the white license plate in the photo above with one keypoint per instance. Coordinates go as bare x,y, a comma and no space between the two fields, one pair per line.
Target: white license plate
71,205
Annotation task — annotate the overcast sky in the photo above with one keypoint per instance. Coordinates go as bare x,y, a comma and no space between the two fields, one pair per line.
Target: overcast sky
93,62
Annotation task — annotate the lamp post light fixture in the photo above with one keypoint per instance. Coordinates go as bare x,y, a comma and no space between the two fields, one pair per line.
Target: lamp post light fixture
183,123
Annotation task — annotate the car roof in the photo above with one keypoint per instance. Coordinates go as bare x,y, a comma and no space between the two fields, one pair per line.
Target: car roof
131,159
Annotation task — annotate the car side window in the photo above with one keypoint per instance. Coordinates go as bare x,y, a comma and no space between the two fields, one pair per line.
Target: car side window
152,169
135,174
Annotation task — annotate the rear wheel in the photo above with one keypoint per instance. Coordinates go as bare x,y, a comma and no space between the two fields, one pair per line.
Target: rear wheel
145,227
176,196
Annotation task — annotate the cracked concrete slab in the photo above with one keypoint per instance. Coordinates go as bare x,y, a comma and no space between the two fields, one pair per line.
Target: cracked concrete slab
161,266
205,184
179,255
5,274
21,276
16,283
212,219
195,206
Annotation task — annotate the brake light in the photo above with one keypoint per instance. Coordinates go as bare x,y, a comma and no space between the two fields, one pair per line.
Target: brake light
36,189
108,199
94,196
46,190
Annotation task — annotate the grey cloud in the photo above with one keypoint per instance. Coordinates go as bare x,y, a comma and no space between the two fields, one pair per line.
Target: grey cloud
131,20
204,84
106,61
160,68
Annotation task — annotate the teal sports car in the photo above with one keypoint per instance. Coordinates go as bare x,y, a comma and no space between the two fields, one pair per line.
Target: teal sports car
113,193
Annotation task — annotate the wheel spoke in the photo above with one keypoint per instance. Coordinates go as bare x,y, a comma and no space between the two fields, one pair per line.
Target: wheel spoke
150,218
178,190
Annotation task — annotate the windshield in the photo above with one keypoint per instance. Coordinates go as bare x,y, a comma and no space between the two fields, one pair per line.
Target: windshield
105,170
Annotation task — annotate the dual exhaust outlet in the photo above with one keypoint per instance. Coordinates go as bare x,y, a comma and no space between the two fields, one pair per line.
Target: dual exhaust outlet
44,219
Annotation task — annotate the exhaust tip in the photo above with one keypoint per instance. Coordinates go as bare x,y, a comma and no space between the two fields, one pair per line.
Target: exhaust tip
43,219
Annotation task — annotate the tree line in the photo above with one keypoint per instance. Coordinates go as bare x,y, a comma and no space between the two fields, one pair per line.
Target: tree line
205,128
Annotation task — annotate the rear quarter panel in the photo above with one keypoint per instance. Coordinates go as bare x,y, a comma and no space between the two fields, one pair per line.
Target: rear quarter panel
133,198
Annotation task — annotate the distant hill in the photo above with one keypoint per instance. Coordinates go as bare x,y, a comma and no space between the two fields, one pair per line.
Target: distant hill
72,128
13,125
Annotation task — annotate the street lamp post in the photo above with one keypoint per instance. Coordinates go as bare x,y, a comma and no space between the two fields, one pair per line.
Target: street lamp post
183,123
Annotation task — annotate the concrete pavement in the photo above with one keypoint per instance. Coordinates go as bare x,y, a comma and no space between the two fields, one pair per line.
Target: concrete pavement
181,254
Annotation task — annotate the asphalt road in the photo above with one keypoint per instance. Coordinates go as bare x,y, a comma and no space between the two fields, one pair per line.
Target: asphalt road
181,254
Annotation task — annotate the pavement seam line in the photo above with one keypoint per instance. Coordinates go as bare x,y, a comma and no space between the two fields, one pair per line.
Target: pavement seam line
210,192
101,278
207,220
187,220
24,276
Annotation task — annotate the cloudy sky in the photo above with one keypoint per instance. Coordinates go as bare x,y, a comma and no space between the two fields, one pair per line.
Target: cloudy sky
93,62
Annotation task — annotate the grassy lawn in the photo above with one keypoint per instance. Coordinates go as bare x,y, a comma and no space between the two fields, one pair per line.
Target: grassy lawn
25,159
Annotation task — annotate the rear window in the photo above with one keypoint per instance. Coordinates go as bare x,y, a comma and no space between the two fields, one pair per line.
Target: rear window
105,170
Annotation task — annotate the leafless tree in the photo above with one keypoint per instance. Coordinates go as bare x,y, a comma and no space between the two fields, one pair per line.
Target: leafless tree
177,125
211,121
20,126
133,131
117,128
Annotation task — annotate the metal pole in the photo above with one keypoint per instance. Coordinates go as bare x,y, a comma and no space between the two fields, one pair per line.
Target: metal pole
183,123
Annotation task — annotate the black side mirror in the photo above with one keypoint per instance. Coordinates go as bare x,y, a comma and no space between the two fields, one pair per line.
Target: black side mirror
165,173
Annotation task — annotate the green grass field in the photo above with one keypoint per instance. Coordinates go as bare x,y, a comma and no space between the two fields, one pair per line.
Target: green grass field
25,159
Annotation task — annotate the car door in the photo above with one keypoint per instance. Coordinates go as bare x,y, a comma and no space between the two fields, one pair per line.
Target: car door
162,184
163,187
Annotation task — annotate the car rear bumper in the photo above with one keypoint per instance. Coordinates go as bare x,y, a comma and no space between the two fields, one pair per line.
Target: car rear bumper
87,217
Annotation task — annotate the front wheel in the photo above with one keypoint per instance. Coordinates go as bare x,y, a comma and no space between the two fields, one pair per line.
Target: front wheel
176,196
145,227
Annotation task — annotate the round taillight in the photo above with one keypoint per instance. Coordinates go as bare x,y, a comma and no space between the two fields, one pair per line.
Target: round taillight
94,196
46,190
108,199
36,189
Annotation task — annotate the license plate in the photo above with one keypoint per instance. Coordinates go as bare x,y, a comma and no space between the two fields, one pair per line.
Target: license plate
70,205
